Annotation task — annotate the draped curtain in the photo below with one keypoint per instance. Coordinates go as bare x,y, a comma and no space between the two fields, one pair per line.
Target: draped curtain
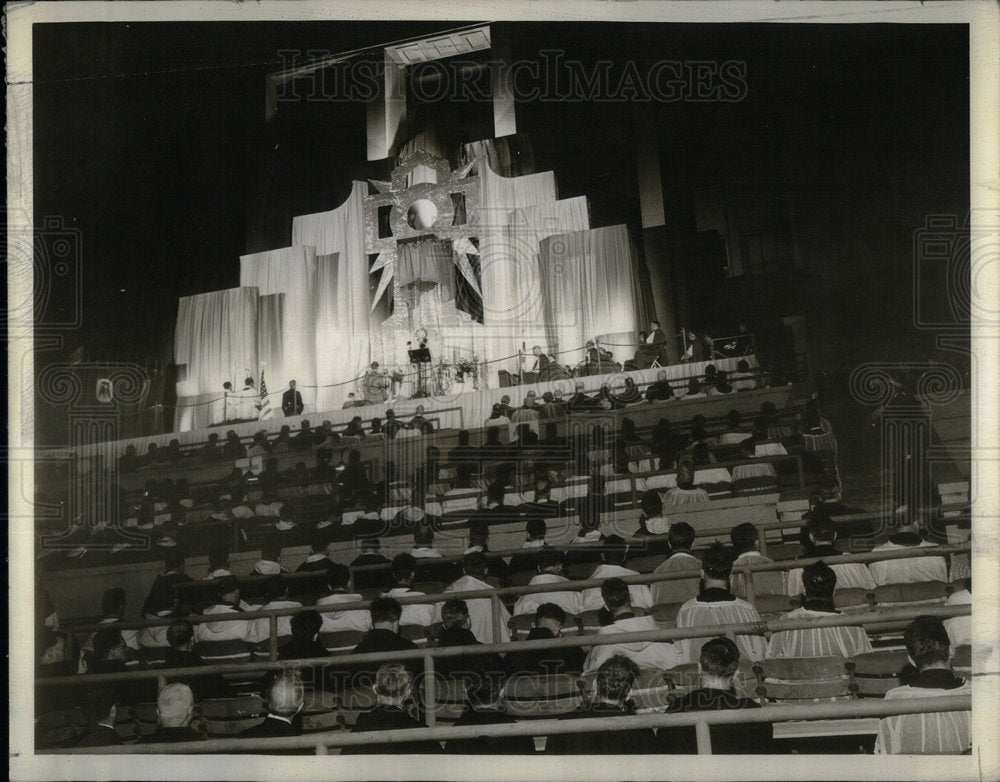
503,279
271,341
290,271
216,341
340,233
590,286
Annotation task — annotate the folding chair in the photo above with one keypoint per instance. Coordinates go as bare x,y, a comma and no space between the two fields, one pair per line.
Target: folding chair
873,674
542,696
803,679
230,716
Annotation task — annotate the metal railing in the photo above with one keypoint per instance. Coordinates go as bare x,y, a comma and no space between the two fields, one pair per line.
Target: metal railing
321,743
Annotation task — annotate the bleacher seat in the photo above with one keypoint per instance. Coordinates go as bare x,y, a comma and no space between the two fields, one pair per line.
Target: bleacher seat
646,563
152,656
590,622
651,691
230,716
665,613
685,677
920,593
803,679
415,633
228,651
353,701
873,674
542,696
853,599
520,625
772,606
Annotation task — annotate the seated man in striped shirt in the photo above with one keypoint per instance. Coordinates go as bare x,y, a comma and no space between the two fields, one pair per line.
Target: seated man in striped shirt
947,732
819,581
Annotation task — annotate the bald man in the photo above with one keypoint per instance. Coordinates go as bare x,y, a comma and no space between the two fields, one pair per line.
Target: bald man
284,702
174,710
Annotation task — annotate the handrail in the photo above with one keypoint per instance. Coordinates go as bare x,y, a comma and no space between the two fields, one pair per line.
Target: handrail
871,619
561,586
550,727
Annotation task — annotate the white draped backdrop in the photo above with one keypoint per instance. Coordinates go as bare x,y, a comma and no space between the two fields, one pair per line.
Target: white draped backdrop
303,312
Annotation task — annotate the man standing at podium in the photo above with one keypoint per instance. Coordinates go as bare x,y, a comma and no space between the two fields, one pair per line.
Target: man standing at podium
375,384
291,401
650,350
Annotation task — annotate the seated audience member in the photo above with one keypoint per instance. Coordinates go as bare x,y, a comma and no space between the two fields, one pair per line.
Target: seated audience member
340,584
285,699
938,732
828,506
276,591
218,563
550,408
355,428
659,390
57,654
162,603
269,564
181,654
353,481
305,438
495,510
613,684
527,414
527,558
685,492
681,539
497,418
908,535
423,543
370,555
392,424
100,709
819,581
112,612
227,603
384,636
652,521
464,457
174,711
304,643
665,443
456,631
716,605
233,448
319,556
694,390
480,609
485,708
742,379
542,506
549,621
404,567
960,627
648,655
419,420
822,535
613,555
585,548
580,400
173,573
718,664
393,689
629,395
746,546
479,542
550,566
735,433
211,450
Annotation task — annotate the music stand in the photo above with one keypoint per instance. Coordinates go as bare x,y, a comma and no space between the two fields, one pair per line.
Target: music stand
420,357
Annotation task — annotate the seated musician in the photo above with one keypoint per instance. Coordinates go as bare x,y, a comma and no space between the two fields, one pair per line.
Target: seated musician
650,349
375,384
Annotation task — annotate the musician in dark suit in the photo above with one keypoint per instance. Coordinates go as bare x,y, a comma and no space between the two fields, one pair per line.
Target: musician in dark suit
291,401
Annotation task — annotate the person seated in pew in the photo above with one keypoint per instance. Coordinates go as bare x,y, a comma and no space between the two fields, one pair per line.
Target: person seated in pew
393,685
820,581
174,712
285,700
735,433
485,707
173,574
319,556
614,552
580,401
822,536
181,654
496,418
742,379
479,543
549,622
100,709
479,609
717,605
745,540
218,563
464,458
505,407
370,555
685,492
937,732
404,568
550,567
304,643
648,655
494,510
423,543
701,456
613,684
828,506
718,664
457,629
585,548
340,583
276,590
908,535
660,389
694,390
542,506
680,537
227,603
550,408
268,564
526,560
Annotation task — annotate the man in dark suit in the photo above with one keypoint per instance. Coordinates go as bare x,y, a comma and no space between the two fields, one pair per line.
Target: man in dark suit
384,637
614,681
174,710
100,709
285,699
291,401
393,688
549,621
484,708
173,573
649,350
718,664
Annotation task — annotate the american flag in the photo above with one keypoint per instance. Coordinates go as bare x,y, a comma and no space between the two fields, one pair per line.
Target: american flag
265,401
